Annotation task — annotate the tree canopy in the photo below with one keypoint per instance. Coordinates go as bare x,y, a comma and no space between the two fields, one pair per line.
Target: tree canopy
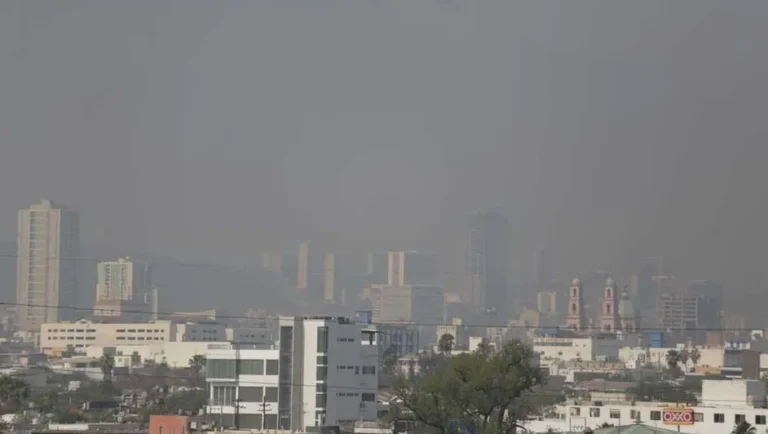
489,392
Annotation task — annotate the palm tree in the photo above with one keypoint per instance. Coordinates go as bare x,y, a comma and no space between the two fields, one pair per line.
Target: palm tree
445,343
743,427
683,357
197,363
107,365
695,356
672,358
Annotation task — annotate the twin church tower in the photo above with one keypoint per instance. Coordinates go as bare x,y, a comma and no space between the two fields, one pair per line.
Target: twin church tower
615,314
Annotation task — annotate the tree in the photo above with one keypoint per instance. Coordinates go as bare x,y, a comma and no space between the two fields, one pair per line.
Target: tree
107,365
661,391
672,358
489,393
388,361
13,394
683,356
743,427
445,343
484,347
197,363
695,356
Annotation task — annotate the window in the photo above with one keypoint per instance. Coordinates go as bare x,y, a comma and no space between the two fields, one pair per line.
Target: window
322,339
369,370
615,413
760,419
220,368
322,360
272,367
594,412
320,400
322,373
369,397
249,421
698,417
270,422
251,394
634,414
270,394
655,415
575,411
223,395
740,418
250,367
719,418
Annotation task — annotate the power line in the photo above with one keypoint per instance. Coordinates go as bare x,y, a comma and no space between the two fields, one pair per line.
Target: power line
383,323
228,382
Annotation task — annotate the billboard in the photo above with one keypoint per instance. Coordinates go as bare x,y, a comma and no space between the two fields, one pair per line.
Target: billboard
677,416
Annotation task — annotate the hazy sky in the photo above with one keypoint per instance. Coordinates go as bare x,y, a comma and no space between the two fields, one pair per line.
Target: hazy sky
214,130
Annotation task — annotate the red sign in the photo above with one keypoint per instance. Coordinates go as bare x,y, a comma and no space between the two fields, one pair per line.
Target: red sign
677,416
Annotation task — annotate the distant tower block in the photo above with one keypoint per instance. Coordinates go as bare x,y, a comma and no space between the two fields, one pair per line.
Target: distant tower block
576,319
609,317
630,321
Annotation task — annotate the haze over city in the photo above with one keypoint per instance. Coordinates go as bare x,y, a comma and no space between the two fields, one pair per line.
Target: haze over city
608,132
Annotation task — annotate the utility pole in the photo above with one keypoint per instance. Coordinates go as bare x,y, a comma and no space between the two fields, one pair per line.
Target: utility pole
264,407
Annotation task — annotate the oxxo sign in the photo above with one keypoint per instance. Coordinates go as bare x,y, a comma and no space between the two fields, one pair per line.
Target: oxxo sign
677,416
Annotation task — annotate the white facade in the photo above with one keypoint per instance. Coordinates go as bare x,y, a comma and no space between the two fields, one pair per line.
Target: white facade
174,354
121,280
587,349
48,243
732,393
324,373
244,386
707,420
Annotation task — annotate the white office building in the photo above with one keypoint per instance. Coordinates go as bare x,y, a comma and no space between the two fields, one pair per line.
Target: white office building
323,372
46,274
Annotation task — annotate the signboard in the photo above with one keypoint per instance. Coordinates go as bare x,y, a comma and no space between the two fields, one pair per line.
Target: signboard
677,416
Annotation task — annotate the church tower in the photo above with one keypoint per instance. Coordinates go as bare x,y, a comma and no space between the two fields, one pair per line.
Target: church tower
609,317
576,320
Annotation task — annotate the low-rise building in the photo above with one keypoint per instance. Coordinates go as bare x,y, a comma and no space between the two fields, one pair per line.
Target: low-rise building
724,404
57,337
605,347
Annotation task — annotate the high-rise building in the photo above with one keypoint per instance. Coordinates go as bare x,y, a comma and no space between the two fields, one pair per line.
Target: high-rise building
412,268
331,275
123,279
309,275
378,268
486,262
48,248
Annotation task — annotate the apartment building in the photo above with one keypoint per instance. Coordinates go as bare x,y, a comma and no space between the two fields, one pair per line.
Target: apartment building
323,372
46,274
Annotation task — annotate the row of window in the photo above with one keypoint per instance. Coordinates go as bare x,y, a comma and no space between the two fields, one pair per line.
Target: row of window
228,395
116,331
225,368
367,370
366,397
655,415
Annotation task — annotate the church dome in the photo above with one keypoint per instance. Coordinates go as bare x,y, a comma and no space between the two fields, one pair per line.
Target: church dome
609,282
576,281
626,308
